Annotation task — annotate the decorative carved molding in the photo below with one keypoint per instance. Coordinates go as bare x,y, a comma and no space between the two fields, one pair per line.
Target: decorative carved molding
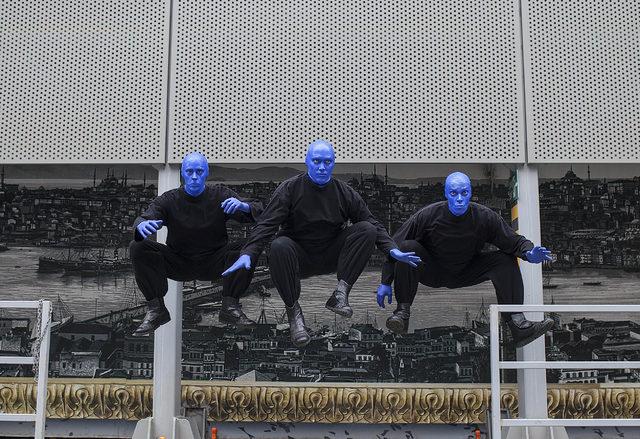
80,398
330,403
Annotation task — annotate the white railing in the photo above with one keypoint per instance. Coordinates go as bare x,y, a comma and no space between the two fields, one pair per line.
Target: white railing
496,365
42,359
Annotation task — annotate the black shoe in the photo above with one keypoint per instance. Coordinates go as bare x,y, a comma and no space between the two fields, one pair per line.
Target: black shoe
525,331
398,323
339,304
231,313
157,315
299,335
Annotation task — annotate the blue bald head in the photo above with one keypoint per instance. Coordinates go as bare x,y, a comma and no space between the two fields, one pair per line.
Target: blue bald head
457,190
194,171
320,161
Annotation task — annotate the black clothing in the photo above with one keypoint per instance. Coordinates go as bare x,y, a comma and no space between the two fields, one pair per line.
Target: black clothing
197,225
153,263
498,267
197,242
455,241
347,254
312,216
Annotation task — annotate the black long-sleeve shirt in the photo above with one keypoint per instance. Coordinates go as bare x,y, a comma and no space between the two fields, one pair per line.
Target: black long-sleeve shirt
454,240
312,216
197,225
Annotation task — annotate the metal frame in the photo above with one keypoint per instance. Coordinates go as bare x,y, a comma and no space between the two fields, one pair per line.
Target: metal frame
39,417
496,365
167,350
532,384
532,62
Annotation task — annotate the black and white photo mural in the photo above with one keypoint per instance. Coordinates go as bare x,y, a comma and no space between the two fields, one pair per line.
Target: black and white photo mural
64,232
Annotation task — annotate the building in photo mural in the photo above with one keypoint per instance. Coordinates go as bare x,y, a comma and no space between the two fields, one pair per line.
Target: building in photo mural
66,240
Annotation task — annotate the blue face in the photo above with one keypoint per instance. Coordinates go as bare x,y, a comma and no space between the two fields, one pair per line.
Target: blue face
457,190
194,171
320,161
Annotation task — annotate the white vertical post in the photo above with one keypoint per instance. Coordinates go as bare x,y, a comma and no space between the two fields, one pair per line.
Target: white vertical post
43,369
494,318
167,346
532,384
167,352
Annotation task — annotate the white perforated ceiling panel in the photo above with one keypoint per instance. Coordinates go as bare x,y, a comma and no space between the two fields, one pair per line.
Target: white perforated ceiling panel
83,81
583,80
384,81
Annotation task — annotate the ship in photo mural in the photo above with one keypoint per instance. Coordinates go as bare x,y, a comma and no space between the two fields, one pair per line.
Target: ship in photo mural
64,233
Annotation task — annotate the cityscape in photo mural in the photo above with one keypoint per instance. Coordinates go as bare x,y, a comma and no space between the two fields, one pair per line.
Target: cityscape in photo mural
66,241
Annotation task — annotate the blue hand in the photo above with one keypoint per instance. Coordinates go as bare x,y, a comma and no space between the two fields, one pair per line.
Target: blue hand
408,257
148,227
384,291
230,205
538,254
244,261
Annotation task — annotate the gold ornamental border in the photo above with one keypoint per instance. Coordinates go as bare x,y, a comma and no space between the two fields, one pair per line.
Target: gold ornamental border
320,402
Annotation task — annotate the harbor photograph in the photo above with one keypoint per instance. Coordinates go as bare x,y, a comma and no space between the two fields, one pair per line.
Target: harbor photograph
67,241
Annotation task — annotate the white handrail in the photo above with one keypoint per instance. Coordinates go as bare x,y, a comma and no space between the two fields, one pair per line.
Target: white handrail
496,365
39,417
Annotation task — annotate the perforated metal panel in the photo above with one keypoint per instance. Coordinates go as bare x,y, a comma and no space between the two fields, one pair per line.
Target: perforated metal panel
583,80
83,81
415,81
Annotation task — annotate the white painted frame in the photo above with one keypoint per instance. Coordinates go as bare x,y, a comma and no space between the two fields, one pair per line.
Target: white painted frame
496,365
40,416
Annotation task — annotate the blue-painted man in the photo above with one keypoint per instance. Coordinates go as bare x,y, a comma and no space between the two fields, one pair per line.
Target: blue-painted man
449,236
312,211
197,243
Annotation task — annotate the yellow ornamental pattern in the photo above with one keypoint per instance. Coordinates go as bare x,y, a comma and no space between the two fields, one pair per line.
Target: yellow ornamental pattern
324,403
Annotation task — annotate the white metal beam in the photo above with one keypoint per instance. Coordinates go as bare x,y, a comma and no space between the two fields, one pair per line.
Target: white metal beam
532,384
40,416
167,346
19,304
570,365
18,417
613,422
43,369
16,360
570,308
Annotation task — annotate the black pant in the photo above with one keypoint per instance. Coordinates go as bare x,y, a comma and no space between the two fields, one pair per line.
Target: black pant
153,263
347,254
498,267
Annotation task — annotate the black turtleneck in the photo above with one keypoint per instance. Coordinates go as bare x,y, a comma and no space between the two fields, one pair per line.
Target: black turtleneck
197,225
312,215
454,240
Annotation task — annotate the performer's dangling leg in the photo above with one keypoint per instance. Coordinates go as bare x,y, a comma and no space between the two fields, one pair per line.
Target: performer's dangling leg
233,287
406,284
153,263
503,271
352,251
285,259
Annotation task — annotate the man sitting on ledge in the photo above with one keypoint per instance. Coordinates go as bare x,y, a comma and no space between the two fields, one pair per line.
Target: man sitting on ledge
197,243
